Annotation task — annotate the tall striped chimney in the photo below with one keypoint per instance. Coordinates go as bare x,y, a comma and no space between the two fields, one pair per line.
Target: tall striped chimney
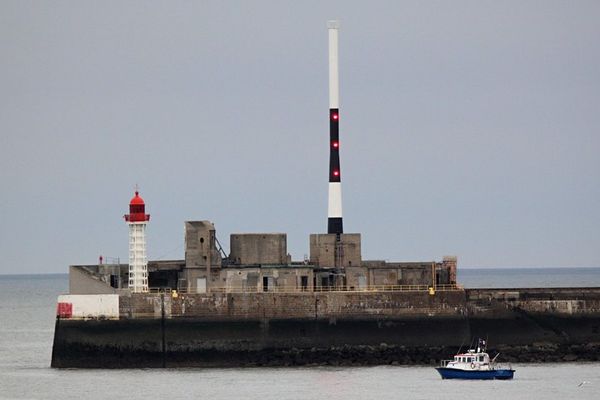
334,212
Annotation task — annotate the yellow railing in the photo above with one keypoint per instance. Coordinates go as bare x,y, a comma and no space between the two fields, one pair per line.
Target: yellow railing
294,289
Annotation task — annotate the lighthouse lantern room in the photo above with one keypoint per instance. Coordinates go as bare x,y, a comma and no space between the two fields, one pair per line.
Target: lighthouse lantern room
137,219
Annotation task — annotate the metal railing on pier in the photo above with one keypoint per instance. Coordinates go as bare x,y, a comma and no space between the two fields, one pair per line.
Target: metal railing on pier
319,289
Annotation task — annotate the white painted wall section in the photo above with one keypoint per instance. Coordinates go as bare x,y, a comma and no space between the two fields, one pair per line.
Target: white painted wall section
92,305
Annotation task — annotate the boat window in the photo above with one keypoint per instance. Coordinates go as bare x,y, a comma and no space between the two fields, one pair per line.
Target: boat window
481,358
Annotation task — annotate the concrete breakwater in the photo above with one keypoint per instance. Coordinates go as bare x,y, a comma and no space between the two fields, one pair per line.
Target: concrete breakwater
333,328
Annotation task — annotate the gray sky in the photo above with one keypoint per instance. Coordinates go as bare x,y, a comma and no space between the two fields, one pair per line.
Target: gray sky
467,128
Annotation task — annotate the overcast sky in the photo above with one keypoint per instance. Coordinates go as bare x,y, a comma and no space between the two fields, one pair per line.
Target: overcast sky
467,128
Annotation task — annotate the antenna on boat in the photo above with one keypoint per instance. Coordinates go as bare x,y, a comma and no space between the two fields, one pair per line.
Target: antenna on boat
462,341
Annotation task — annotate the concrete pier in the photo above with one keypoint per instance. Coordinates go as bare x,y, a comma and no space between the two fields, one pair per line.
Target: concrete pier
333,328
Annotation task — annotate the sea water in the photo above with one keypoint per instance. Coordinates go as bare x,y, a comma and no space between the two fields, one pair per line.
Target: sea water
27,308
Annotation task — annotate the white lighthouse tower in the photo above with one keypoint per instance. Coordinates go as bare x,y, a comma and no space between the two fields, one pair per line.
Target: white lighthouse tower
137,219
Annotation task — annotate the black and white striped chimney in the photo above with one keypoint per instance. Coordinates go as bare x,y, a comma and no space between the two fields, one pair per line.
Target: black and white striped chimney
334,220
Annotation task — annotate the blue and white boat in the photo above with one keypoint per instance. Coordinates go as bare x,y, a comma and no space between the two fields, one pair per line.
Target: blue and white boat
475,364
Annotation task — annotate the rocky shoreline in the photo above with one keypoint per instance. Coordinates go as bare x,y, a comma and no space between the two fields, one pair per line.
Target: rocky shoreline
380,355
383,354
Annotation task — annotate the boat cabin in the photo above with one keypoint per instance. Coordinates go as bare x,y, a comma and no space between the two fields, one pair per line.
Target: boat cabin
470,360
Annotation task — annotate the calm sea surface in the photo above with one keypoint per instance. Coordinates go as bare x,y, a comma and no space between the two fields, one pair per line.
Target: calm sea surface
27,306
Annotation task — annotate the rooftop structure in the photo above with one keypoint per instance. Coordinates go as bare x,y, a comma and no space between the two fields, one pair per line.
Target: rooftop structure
259,262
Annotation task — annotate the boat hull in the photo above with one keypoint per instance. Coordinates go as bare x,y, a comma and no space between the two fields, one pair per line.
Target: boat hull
453,373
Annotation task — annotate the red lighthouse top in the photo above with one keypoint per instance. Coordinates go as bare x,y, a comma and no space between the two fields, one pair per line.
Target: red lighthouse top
137,210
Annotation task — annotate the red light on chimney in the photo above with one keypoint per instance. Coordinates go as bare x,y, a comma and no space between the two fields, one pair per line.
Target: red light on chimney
335,117
336,173
335,144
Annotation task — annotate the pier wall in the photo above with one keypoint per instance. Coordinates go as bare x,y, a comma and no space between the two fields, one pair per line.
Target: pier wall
335,328
299,305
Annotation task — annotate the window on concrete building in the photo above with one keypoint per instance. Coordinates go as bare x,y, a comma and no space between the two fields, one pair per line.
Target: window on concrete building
304,283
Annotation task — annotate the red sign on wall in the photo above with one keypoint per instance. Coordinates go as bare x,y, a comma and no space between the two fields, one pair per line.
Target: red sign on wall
64,310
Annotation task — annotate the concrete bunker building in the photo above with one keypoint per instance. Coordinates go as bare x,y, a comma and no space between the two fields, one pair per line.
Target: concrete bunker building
259,262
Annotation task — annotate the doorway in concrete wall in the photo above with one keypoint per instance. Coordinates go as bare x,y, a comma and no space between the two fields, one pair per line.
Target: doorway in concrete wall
304,283
201,285
362,283
265,283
